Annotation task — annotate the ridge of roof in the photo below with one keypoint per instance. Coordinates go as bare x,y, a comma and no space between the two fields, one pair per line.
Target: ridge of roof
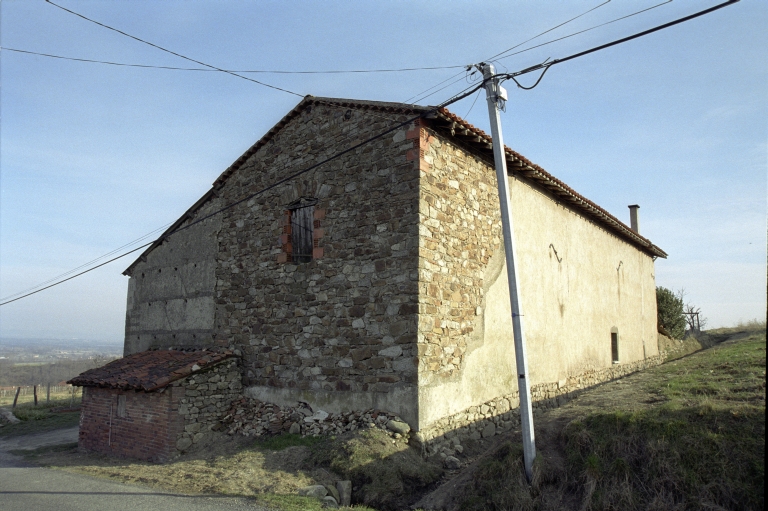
516,163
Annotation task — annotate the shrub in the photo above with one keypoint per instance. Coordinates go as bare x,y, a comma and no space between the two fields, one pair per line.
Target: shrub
670,309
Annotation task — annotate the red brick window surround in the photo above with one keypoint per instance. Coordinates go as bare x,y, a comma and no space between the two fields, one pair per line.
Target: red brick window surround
301,232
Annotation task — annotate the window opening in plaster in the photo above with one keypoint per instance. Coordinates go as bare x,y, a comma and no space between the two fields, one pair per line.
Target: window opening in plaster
615,345
302,215
121,406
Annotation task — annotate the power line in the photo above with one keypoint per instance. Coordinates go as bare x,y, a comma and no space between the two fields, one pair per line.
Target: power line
583,31
173,52
461,95
422,98
548,30
546,65
137,240
466,68
457,97
208,70
473,105
419,95
77,275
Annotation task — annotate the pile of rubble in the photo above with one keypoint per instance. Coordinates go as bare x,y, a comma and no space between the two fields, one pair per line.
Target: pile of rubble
251,417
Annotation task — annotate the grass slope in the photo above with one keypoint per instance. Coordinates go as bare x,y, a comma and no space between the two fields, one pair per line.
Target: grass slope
701,445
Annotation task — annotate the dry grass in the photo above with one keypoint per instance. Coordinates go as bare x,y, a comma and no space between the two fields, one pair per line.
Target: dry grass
383,473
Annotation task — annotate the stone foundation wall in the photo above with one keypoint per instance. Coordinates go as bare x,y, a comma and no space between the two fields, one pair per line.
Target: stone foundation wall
502,414
203,400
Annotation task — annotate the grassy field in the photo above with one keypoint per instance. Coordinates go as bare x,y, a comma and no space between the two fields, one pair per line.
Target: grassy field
697,442
43,417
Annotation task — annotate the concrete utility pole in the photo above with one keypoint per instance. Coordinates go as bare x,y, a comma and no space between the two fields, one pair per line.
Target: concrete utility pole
496,96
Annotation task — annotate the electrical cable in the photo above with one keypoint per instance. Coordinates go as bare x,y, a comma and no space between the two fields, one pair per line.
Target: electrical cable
174,53
92,261
586,30
535,84
441,88
505,51
547,31
473,105
263,71
432,110
77,275
544,65
439,84
457,97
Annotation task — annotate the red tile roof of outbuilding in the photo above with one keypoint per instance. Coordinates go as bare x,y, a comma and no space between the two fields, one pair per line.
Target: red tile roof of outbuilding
149,370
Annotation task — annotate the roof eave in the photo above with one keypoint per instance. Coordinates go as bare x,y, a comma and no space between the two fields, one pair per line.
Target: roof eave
524,168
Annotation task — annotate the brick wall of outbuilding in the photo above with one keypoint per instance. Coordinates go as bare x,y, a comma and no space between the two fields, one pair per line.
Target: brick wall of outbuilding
148,430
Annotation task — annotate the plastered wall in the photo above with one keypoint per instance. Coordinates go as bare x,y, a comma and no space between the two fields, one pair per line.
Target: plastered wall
171,294
577,282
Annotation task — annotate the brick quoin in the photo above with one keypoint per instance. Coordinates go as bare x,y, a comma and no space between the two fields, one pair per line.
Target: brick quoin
421,142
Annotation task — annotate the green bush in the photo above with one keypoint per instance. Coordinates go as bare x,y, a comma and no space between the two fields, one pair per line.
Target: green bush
670,308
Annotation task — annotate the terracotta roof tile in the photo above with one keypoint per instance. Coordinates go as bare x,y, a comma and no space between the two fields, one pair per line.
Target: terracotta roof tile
149,370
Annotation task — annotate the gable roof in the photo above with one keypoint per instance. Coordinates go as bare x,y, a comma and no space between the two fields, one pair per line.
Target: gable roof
149,370
448,124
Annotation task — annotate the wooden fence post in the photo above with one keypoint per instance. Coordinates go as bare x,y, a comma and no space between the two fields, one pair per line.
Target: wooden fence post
34,391
16,397
48,395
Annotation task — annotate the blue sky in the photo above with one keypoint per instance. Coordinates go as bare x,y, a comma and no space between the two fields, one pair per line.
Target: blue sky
93,156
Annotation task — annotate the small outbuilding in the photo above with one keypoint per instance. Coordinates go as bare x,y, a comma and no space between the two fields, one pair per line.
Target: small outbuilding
154,404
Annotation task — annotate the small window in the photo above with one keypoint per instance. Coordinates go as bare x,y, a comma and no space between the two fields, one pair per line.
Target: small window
615,345
302,218
121,406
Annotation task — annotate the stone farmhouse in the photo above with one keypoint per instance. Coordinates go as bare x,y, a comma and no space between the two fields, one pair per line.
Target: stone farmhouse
377,280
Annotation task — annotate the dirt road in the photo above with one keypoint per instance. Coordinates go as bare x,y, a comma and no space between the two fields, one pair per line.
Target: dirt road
23,487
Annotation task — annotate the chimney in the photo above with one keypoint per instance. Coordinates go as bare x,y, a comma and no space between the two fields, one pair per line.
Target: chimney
633,220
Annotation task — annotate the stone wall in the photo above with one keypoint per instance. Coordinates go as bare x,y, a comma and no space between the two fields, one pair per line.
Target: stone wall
203,400
341,328
171,292
460,232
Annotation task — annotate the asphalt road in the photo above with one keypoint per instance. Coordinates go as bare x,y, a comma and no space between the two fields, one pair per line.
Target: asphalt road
27,488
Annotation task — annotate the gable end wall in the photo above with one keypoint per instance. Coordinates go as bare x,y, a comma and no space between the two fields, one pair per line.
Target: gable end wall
338,332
